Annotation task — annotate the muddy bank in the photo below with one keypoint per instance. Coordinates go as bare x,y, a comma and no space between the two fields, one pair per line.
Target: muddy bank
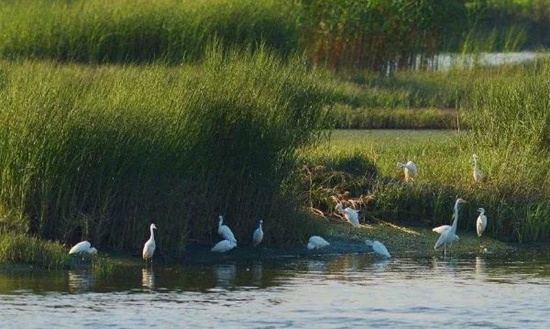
401,241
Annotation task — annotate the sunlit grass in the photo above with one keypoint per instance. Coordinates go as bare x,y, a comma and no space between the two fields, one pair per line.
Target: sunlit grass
516,200
99,153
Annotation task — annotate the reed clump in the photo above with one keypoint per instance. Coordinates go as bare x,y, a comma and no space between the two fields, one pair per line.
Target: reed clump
140,31
20,248
99,153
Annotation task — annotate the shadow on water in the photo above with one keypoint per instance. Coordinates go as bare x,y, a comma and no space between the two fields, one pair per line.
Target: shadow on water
265,273
321,290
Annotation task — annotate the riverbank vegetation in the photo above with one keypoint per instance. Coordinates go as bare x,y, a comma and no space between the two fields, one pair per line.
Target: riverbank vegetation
510,126
376,35
115,115
101,152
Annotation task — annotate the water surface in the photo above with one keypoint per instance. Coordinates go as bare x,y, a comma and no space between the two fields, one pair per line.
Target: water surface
317,292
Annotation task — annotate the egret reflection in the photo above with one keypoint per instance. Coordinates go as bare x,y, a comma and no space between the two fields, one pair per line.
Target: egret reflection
80,281
225,275
148,278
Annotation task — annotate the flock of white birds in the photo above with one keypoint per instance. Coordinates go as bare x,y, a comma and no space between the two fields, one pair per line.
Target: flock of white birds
445,240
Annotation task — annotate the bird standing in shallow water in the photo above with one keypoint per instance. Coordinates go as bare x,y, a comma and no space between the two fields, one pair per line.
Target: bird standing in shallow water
478,175
224,246
83,248
449,235
316,242
409,169
150,246
379,248
258,235
481,223
225,231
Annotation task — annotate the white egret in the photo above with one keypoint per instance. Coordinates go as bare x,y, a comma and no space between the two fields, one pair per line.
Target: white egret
481,223
316,242
82,248
224,246
410,169
225,231
258,235
449,235
441,229
349,213
378,247
478,175
149,247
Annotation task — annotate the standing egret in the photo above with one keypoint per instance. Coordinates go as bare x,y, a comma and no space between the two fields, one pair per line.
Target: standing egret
379,248
478,175
449,235
350,214
224,246
441,229
149,247
481,223
225,231
410,169
82,248
258,235
316,242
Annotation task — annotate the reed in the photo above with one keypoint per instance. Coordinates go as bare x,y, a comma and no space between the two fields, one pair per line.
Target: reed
20,248
140,31
99,153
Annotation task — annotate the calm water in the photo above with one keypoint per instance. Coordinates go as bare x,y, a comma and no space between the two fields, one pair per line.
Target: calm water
328,292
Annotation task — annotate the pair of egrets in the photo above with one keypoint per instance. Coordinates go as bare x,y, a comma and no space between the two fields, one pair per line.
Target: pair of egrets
410,170
448,233
229,242
317,242
85,247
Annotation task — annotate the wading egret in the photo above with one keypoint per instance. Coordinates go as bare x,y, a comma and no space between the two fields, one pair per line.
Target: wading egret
258,235
379,248
478,175
481,223
441,229
410,170
350,214
149,247
224,246
448,236
316,242
82,248
225,231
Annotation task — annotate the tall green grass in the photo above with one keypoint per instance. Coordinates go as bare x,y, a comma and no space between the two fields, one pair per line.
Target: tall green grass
515,193
140,31
101,152
19,248
380,35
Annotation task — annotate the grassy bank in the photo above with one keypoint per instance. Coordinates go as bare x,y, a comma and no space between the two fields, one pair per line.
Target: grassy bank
377,35
101,152
144,31
364,163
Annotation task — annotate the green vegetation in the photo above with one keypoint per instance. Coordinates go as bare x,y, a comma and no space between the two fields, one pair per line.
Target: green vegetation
378,35
140,31
505,25
116,114
101,152
515,193
19,248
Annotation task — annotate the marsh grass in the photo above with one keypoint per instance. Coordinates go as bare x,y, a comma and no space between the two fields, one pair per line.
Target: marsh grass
99,153
516,204
20,248
379,35
140,31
